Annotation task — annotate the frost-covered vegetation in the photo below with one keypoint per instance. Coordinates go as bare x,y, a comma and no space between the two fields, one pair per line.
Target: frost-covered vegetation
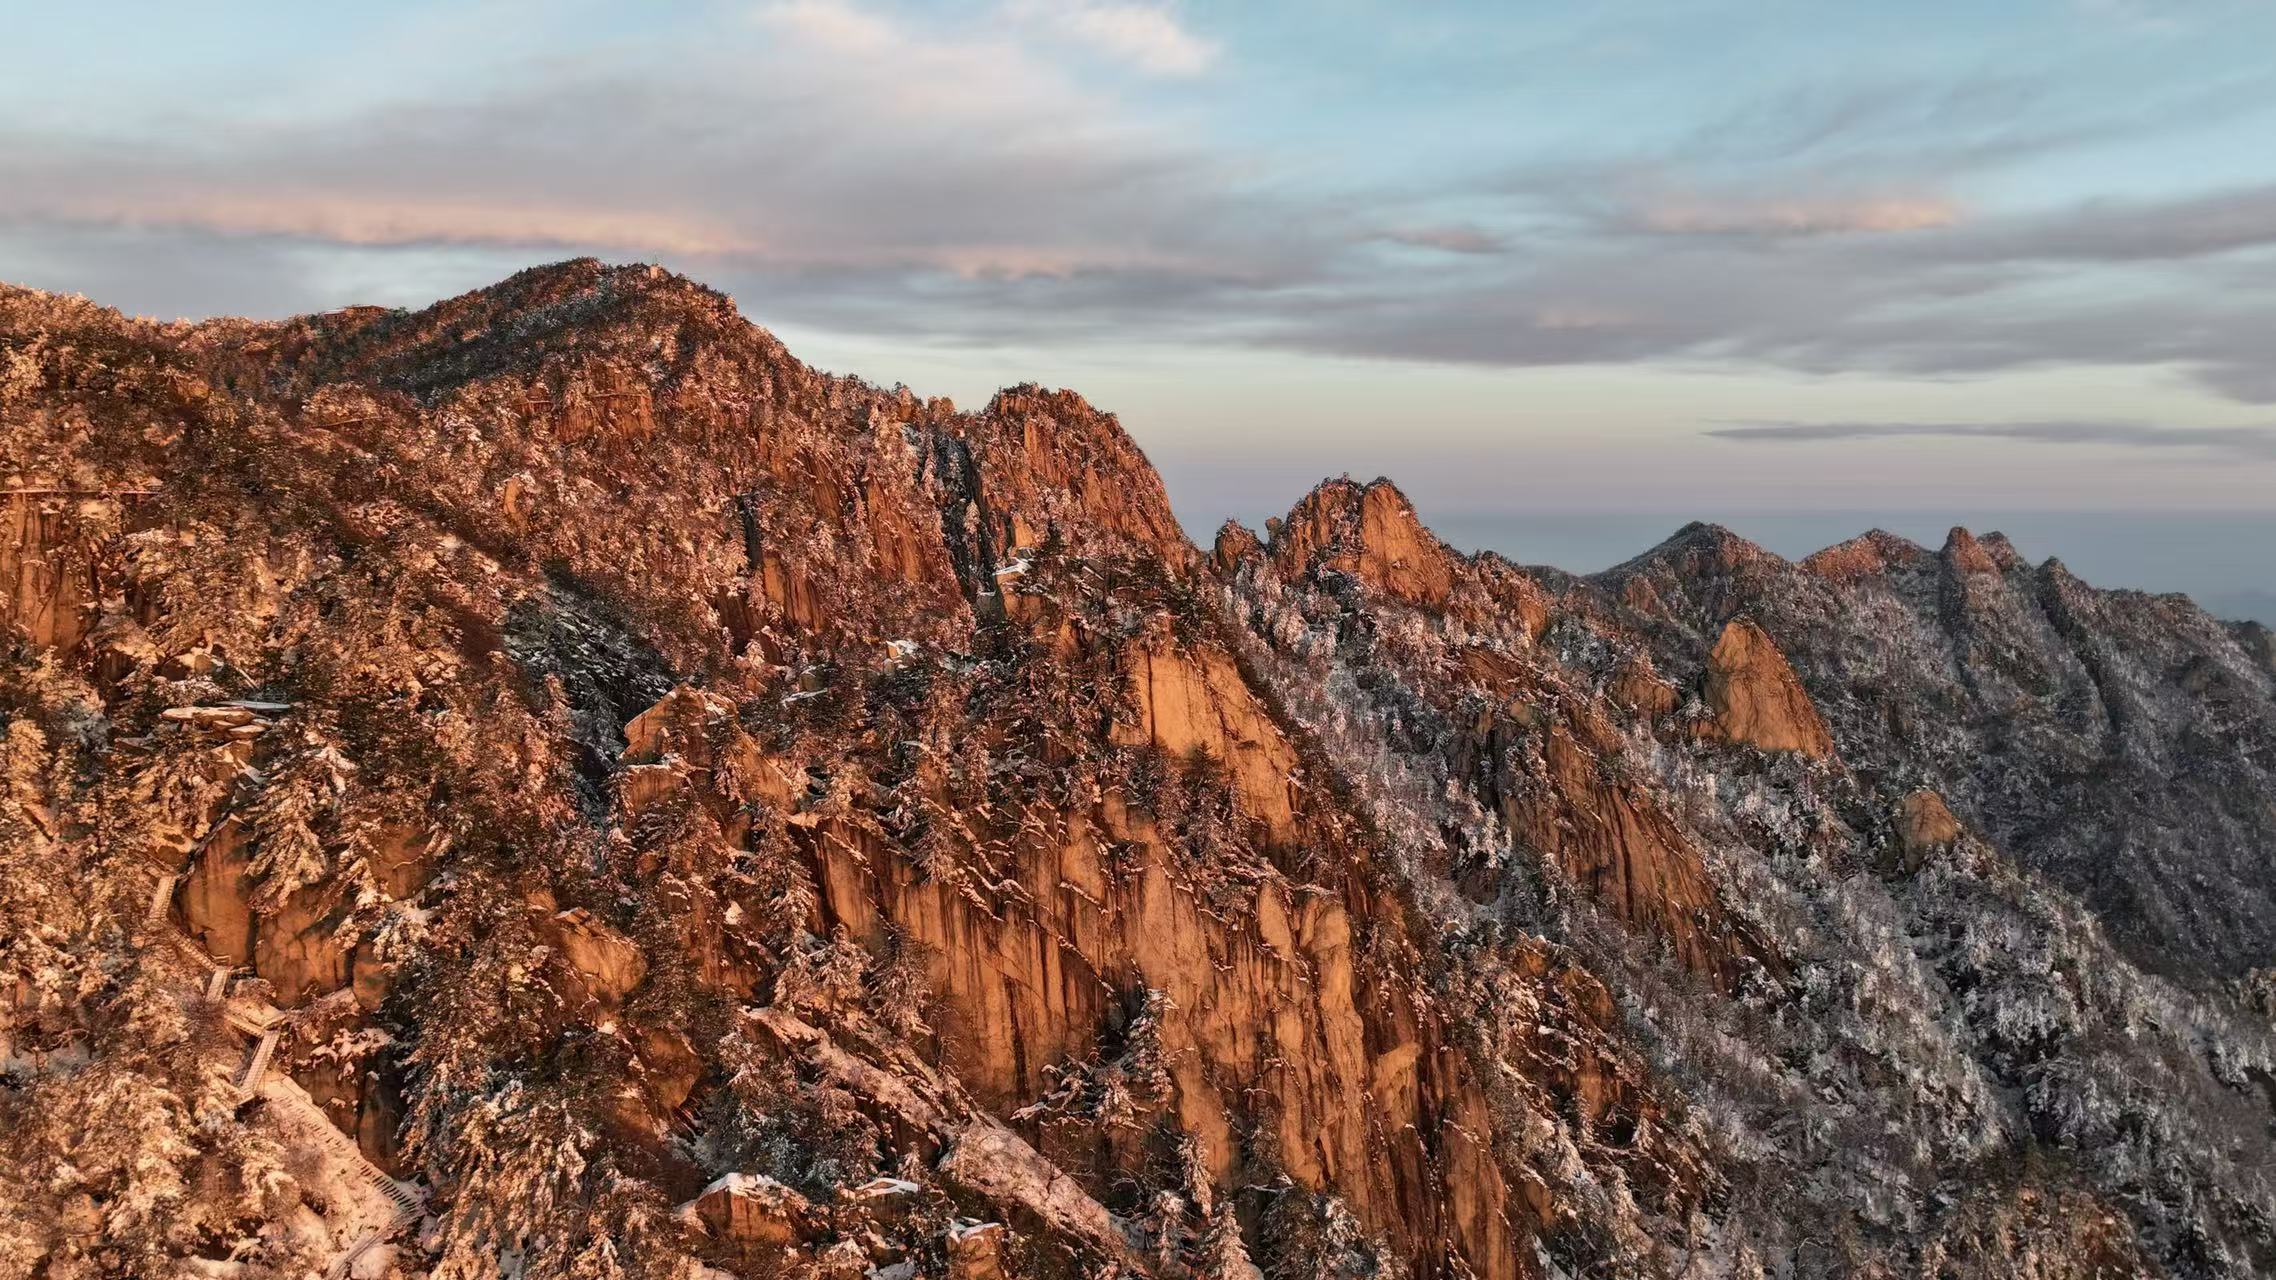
696,816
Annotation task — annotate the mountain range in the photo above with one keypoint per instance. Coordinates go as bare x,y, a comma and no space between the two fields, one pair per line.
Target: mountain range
549,785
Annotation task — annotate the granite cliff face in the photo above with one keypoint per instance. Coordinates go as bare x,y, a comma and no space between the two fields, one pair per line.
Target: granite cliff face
682,813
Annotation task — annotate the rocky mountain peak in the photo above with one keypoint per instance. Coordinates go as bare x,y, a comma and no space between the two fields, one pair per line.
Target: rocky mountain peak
1873,552
568,313
1698,549
2002,551
1963,553
1235,545
1369,532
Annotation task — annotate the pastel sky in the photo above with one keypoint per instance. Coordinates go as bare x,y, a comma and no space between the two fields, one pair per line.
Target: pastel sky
1689,258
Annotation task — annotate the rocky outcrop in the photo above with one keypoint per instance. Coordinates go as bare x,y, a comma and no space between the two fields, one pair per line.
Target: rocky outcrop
612,964
1614,840
1755,697
1370,533
1924,826
757,1212
216,898
1236,545
1268,1000
978,1253
41,592
1639,688
2260,642
299,950
1964,554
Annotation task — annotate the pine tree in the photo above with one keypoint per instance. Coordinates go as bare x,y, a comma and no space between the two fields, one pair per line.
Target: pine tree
1165,1229
299,799
1223,1255
898,993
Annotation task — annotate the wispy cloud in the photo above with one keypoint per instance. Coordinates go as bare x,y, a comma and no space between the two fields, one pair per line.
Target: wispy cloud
1150,37
879,170
1803,216
2112,231
1451,238
2257,443
404,220
829,137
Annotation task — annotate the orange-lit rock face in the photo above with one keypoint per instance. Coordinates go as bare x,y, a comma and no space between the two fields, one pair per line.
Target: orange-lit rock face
1965,554
51,538
1371,533
1235,545
1274,1000
1614,841
1756,697
611,963
1190,701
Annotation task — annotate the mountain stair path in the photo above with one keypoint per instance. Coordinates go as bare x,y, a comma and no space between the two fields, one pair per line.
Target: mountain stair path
382,1206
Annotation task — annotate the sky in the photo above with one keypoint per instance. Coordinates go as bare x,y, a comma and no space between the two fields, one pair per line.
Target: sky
1571,274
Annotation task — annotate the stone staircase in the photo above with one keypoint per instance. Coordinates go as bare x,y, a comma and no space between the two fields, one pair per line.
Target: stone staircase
384,1206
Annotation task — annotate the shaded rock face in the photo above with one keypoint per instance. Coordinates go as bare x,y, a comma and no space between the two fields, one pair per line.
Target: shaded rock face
2020,695
1554,747
2260,642
1756,698
655,774
1639,688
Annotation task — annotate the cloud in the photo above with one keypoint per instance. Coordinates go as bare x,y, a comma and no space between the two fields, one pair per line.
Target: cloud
403,220
2109,231
831,24
877,171
1451,238
1807,216
1146,36
2255,443
826,138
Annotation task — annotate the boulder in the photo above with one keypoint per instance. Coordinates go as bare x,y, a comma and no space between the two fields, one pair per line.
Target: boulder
611,962
756,1211
1924,826
976,1251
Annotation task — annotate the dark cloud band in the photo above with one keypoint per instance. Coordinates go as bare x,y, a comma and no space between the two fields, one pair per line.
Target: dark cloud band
2248,442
